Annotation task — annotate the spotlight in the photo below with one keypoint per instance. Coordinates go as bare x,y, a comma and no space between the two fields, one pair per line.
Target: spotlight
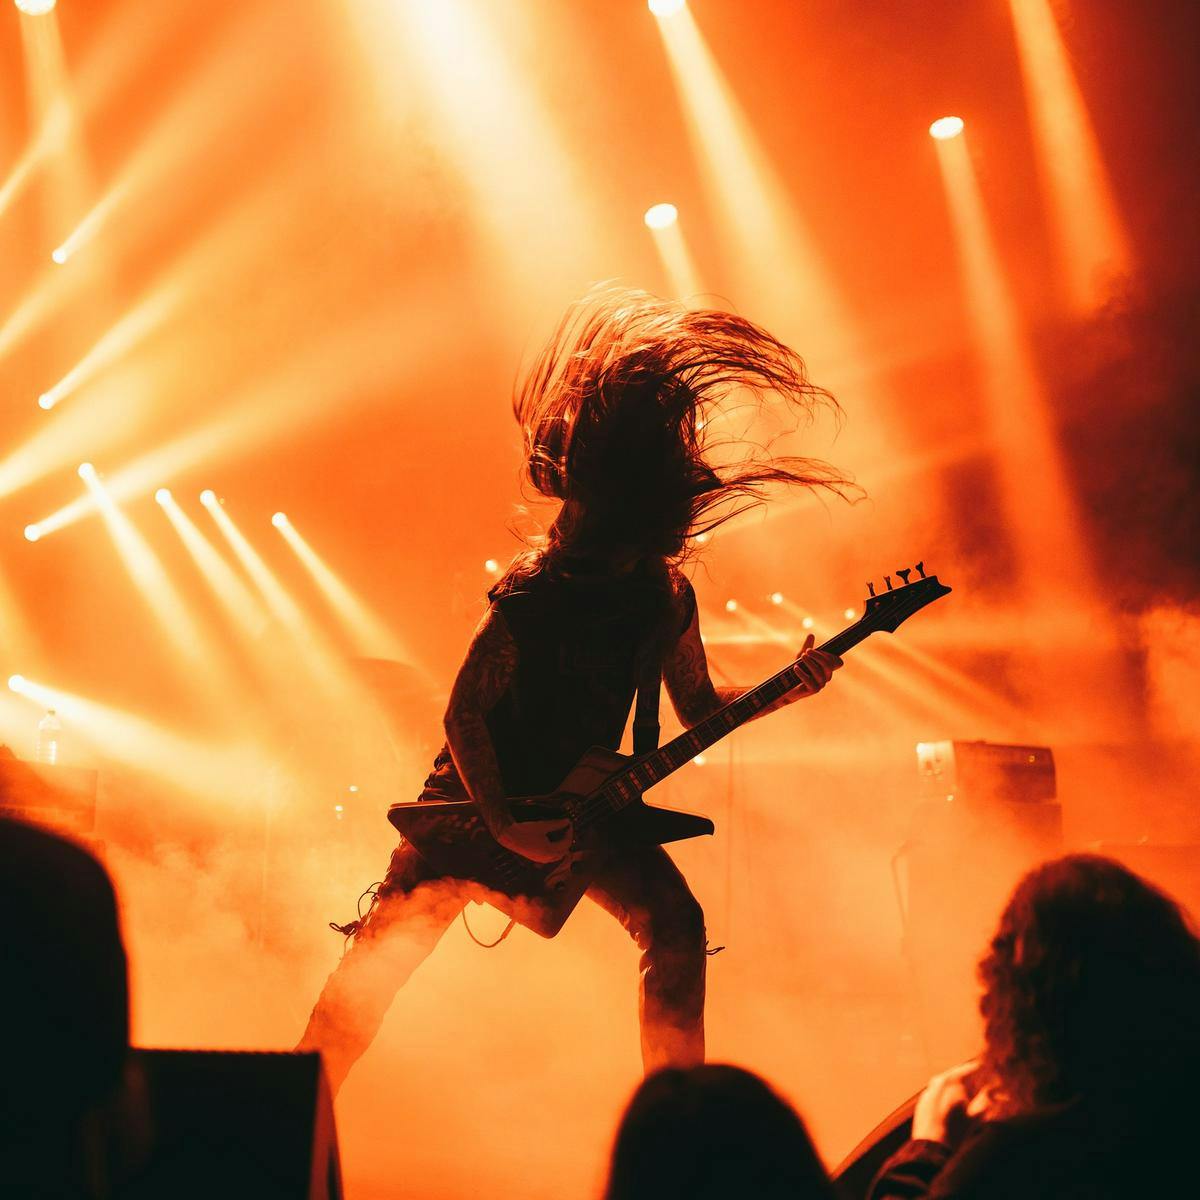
32,533
776,597
208,497
701,538
850,614
162,495
16,682
35,8
46,401
731,606
492,567
666,8
808,623
699,760
59,255
660,216
279,520
87,471
946,127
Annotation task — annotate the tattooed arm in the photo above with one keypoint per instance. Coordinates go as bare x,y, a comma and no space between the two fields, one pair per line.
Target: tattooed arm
485,673
685,672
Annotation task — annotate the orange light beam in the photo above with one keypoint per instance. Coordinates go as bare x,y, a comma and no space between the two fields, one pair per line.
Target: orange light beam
677,262
349,357
230,771
234,596
115,342
779,257
186,125
488,116
52,102
1091,241
156,588
320,659
782,277
1037,498
371,636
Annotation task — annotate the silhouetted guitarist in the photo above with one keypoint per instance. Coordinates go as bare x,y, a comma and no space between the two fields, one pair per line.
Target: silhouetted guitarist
613,413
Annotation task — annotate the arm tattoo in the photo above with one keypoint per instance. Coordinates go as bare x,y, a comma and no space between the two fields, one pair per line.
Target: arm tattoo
482,679
685,672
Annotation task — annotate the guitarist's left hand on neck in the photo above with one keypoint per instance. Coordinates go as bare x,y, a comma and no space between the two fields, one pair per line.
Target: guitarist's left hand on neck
815,668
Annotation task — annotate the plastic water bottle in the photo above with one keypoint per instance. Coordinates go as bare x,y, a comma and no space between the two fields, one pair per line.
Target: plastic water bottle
49,734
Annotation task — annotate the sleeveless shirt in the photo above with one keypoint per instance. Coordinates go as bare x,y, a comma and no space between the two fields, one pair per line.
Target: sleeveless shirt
579,638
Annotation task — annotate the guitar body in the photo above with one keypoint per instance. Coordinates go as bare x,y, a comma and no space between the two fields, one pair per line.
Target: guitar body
452,837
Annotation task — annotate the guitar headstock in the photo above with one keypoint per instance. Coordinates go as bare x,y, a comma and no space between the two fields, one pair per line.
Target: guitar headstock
887,610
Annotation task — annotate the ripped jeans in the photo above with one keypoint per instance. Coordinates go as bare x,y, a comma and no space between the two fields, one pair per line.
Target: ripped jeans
640,886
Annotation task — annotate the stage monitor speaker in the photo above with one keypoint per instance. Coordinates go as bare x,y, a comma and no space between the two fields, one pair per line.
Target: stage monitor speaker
853,1176
232,1124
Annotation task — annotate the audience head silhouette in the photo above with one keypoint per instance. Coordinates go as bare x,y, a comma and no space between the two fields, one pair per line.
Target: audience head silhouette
64,1006
1091,990
712,1132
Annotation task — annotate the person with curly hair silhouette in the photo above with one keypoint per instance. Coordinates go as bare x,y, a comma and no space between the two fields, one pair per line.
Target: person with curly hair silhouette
1086,1084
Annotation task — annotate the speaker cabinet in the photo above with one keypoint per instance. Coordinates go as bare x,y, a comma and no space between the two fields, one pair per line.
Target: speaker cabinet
230,1124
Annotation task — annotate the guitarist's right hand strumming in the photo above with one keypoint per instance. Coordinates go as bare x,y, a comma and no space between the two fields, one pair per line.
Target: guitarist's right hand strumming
539,841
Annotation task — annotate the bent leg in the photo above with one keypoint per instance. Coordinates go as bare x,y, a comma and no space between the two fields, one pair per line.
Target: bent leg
407,918
645,891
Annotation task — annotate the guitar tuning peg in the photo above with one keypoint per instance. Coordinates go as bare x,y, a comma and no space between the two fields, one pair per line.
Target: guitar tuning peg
904,573
871,588
921,568
888,580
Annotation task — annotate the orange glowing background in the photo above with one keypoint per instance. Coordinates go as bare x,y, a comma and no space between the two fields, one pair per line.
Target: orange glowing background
304,250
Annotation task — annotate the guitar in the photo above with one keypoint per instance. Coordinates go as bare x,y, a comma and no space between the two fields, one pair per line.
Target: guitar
602,795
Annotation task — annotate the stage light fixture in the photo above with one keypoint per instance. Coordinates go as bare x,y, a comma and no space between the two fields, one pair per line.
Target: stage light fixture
35,8
808,623
731,606
208,497
945,128
32,533
492,567
46,401
661,216
163,495
279,520
16,682
850,614
60,255
776,597
87,471
666,8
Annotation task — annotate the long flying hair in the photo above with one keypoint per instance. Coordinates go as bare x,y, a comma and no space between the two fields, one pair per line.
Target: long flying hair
1091,991
615,411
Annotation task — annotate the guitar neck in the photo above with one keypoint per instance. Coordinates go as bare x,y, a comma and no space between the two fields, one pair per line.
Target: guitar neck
655,767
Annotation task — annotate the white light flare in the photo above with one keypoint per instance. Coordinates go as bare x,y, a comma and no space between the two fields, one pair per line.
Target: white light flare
661,216
945,128
666,8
